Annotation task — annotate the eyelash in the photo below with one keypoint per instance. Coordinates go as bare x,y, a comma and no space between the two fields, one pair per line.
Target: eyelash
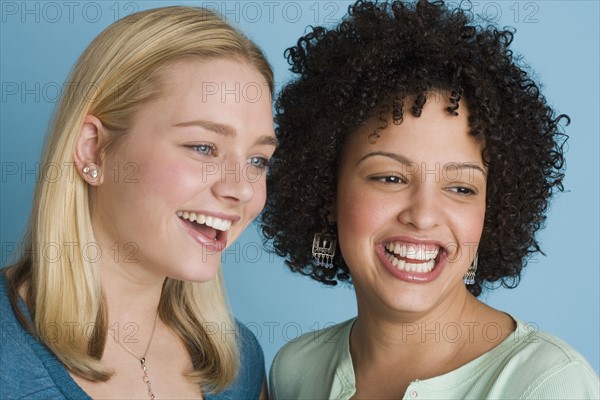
206,149
263,162
389,179
463,191
209,149
394,179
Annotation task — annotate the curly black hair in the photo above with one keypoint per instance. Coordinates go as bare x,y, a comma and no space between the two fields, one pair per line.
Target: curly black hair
379,56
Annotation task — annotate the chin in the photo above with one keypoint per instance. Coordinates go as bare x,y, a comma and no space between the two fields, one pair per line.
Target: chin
198,273
193,278
413,305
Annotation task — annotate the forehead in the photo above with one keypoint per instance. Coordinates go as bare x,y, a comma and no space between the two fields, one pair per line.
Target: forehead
222,90
435,135
228,77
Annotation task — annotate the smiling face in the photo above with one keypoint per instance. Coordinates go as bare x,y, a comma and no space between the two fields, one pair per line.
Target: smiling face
410,209
189,176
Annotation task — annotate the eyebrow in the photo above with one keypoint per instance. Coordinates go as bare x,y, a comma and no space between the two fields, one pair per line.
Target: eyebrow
225,130
398,157
404,160
221,129
456,165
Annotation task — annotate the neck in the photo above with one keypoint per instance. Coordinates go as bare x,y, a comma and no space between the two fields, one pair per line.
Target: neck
132,291
127,296
433,342
394,335
132,308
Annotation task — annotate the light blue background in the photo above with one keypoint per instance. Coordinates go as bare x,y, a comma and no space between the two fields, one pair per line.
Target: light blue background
40,42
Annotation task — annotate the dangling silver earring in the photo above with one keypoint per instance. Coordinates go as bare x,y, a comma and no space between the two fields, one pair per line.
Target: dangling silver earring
91,171
323,249
469,277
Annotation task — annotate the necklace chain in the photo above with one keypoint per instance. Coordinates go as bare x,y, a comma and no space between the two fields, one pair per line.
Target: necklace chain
141,359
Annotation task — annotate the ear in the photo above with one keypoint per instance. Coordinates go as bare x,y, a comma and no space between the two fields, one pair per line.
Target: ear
88,150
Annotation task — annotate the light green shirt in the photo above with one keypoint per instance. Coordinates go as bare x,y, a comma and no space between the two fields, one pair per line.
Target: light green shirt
526,365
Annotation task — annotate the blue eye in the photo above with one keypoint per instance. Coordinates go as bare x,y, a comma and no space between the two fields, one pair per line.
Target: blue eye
258,162
206,149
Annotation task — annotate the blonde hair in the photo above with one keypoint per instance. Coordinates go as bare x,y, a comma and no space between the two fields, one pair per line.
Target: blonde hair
117,73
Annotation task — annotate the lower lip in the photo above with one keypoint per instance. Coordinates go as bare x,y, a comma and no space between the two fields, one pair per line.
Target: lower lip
410,276
215,246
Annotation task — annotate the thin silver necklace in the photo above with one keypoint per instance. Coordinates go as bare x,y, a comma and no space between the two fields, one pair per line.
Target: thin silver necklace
142,359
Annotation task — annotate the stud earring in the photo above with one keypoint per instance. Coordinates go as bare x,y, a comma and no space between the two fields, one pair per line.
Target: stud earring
469,277
323,249
91,171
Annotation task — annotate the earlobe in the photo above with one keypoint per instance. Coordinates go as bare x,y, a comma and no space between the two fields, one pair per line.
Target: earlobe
88,150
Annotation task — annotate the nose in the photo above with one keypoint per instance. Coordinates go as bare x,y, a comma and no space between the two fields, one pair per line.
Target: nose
423,209
232,183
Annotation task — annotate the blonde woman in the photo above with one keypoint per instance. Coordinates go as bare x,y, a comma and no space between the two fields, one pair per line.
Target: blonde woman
131,304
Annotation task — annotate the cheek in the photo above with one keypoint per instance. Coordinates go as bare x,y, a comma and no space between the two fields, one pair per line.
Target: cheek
355,218
259,198
469,224
358,213
170,176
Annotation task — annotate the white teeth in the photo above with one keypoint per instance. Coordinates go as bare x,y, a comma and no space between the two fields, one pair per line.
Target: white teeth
401,265
412,267
413,250
218,223
421,267
208,220
429,254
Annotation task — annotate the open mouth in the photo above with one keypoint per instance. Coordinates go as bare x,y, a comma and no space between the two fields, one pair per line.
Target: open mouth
208,226
417,258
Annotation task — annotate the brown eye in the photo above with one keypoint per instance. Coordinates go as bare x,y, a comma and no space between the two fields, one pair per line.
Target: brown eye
463,191
389,179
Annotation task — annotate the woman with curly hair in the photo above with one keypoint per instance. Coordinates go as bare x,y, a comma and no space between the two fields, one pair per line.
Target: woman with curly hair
416,160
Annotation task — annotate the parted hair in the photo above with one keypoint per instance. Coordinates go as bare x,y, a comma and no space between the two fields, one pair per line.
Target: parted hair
120,71
381,61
